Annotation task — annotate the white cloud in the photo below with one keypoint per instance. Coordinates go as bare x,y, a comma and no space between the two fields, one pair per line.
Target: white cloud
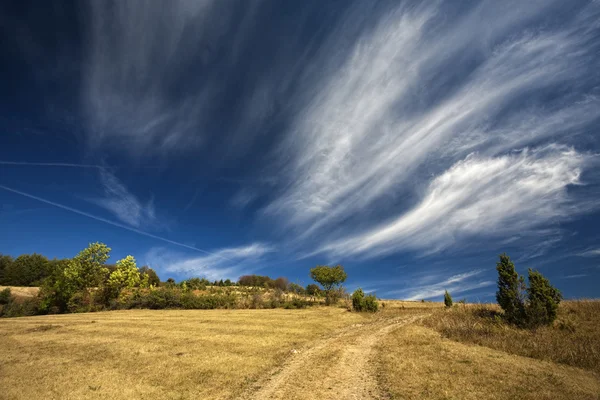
226,263
590,253
365,133
477,197
455,284
123,204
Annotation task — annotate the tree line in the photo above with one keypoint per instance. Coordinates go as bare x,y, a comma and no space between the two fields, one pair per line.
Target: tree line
87,282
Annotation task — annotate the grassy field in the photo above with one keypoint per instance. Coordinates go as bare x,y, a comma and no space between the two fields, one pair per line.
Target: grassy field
574,339
153,354
415,362
409,350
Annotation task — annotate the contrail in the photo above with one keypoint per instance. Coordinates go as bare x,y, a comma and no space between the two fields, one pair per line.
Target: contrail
106,221
49,164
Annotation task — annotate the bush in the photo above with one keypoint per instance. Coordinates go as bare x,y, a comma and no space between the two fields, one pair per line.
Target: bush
447,299
543,300
358,300
371,304
510,291
5,296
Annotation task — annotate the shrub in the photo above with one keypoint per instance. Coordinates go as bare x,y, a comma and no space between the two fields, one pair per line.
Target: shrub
5,296
447,299
543,300
510,291
358,300
371,304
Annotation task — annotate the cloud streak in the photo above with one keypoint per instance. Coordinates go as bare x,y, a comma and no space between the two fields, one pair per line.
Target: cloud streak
388,116
123,204
490,197
226,263
455,284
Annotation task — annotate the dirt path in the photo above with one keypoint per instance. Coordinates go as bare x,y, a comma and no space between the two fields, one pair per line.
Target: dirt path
339,367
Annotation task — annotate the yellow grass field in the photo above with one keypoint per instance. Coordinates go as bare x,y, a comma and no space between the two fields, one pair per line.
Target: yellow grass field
170,354
315,353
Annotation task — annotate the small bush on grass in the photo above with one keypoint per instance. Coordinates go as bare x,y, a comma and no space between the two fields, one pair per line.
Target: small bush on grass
5,296
371,304
447,299
358,300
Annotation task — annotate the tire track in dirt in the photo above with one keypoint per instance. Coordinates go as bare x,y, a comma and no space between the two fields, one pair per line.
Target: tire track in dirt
339,367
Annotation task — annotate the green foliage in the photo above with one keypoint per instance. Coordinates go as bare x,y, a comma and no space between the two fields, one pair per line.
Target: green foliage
447,299
295,288
538,308
25,270
511,287
371,303
86,270
126,276
5,296
313,290
5,262
329,277
543,300
358,300
197,283
152,277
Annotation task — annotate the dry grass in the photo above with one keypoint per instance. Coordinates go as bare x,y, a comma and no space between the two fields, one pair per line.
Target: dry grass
22,292
415,362
574,339
153,354
406,304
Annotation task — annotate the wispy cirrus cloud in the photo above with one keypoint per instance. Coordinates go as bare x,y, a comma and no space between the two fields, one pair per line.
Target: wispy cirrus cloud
455,284
590,253
388,117
123,204
220,264
491,197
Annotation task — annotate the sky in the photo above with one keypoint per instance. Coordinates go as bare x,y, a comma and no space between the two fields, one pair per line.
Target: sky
412,142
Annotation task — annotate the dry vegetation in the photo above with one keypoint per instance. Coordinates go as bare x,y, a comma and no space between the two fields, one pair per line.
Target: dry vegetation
22,292
415,362
174,354
573,339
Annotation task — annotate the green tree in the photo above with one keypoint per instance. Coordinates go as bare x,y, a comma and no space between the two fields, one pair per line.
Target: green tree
371,303
447,299
126,276
27,270
543,300
510,294
329,278
153,278
313,290
358,300
5,264
86,270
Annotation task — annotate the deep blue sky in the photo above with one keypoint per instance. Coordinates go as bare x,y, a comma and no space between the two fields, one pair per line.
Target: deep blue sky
412,142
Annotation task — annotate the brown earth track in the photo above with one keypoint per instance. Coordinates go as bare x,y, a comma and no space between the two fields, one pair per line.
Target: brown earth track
339,367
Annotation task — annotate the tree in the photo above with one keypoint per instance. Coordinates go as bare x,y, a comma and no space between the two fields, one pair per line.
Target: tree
543,300
126,276
329,278
86,270
5,264
447,299
313,290
358,300
281,283
153,278
511,287
26,270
